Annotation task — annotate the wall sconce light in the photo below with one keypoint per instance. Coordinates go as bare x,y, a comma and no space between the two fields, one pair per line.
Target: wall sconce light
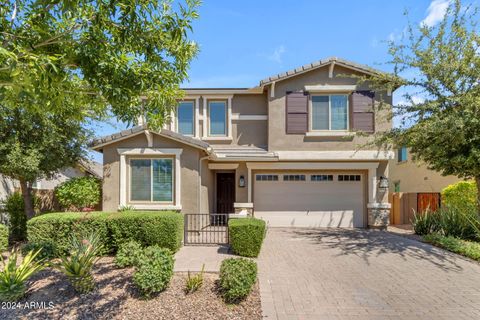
241,182
383,184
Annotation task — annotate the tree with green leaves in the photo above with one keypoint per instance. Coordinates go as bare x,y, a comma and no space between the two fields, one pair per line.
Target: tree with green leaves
66,63
440,115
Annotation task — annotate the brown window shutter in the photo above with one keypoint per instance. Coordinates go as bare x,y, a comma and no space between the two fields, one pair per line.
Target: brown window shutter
297,112
362,111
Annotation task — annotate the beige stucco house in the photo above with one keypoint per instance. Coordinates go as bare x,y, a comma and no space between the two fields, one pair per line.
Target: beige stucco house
287,149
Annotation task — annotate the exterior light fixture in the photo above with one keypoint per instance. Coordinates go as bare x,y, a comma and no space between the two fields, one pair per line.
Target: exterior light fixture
383,184
241,182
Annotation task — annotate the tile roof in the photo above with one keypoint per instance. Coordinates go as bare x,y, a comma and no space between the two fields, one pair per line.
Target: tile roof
318,64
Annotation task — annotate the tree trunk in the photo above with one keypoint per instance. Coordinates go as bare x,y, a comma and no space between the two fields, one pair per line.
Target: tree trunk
27,199
477,182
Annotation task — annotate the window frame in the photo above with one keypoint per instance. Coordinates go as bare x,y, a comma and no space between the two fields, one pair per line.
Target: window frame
172,160
329,95
399,152
194,120
209,127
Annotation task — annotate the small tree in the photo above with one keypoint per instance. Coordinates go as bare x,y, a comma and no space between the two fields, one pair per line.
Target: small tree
64,63
78,193
440,116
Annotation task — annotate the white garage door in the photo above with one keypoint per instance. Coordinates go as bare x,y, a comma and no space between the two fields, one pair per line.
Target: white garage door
315,199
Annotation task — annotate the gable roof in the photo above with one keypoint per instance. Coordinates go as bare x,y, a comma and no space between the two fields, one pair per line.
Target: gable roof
318,64
98,143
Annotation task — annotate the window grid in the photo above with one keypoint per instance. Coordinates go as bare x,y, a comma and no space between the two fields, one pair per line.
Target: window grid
329,112
349,177
321,177
293,177
266,177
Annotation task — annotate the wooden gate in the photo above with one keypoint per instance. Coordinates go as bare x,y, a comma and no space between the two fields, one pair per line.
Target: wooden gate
405,205
428,201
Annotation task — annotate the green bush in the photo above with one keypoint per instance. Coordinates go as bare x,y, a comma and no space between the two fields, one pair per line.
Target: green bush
148,228
425,223
462,195
164,228
246,236
237,277
128,254
15,207
3,238
78,193
458,222
154,272
14,276
47,250
468,249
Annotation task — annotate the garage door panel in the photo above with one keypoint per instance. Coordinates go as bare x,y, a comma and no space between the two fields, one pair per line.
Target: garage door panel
310,203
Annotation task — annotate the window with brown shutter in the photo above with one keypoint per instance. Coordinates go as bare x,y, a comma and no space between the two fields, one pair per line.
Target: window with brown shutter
297,112
362,113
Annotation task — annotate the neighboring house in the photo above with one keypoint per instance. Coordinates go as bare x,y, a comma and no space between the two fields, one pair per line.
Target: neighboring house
288,148
414,188
83,168
411,176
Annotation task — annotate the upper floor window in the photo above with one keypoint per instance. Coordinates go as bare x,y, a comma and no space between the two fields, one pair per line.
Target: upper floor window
185,118
402,154
329,112
217,114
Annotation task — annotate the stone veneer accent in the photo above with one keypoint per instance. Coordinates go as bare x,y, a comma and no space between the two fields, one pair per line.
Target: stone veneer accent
378,215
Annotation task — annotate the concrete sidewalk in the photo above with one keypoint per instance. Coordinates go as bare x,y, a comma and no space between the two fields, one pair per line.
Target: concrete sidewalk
191,258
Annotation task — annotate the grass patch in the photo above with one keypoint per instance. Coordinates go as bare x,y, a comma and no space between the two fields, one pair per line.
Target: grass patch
465,248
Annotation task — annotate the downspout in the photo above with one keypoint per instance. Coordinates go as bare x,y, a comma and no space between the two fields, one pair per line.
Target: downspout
199,195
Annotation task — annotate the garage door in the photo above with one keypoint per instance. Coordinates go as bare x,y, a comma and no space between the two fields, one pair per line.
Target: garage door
316,199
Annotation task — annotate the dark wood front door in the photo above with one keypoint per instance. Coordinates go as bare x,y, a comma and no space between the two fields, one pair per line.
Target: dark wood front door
225,192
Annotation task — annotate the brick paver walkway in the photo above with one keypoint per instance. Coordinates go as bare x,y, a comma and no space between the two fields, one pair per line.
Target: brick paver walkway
361,274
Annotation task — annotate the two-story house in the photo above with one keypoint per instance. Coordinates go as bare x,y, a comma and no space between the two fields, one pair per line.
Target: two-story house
288,147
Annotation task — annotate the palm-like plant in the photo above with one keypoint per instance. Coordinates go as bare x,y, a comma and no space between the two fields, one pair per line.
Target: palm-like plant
13,278
78,265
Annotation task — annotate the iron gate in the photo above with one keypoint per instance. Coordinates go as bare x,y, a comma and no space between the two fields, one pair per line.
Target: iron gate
206,228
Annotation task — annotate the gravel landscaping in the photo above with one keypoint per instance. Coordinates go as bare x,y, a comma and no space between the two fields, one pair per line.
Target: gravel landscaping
117,298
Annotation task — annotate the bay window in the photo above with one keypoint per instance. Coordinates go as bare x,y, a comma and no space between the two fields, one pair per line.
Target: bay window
329,112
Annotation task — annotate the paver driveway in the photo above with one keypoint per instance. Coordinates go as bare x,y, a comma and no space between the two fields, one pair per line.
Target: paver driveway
362,274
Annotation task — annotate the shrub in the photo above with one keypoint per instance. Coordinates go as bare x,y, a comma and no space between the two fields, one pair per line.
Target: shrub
425,223
14,206
164,229
458,222
237,277
3,238
462,195
128,254
13,278
47,250
78,265
246,236
78,193
195,282
468,249
154,271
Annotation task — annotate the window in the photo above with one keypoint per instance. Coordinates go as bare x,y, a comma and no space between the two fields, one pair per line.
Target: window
294,177
402,154
151,180
396,186
266,177
321,177
218,118
329,112
185,118
349,177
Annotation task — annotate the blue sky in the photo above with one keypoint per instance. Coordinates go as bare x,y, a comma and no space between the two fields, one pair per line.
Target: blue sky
242,42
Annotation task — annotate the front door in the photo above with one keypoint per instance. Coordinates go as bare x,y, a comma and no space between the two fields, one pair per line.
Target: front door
225,192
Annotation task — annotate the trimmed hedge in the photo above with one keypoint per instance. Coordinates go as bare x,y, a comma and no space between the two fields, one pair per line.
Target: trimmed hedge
3,238
246,236
164,229
237,277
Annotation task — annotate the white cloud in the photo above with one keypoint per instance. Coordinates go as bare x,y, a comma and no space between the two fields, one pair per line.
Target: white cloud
277,54
435,12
